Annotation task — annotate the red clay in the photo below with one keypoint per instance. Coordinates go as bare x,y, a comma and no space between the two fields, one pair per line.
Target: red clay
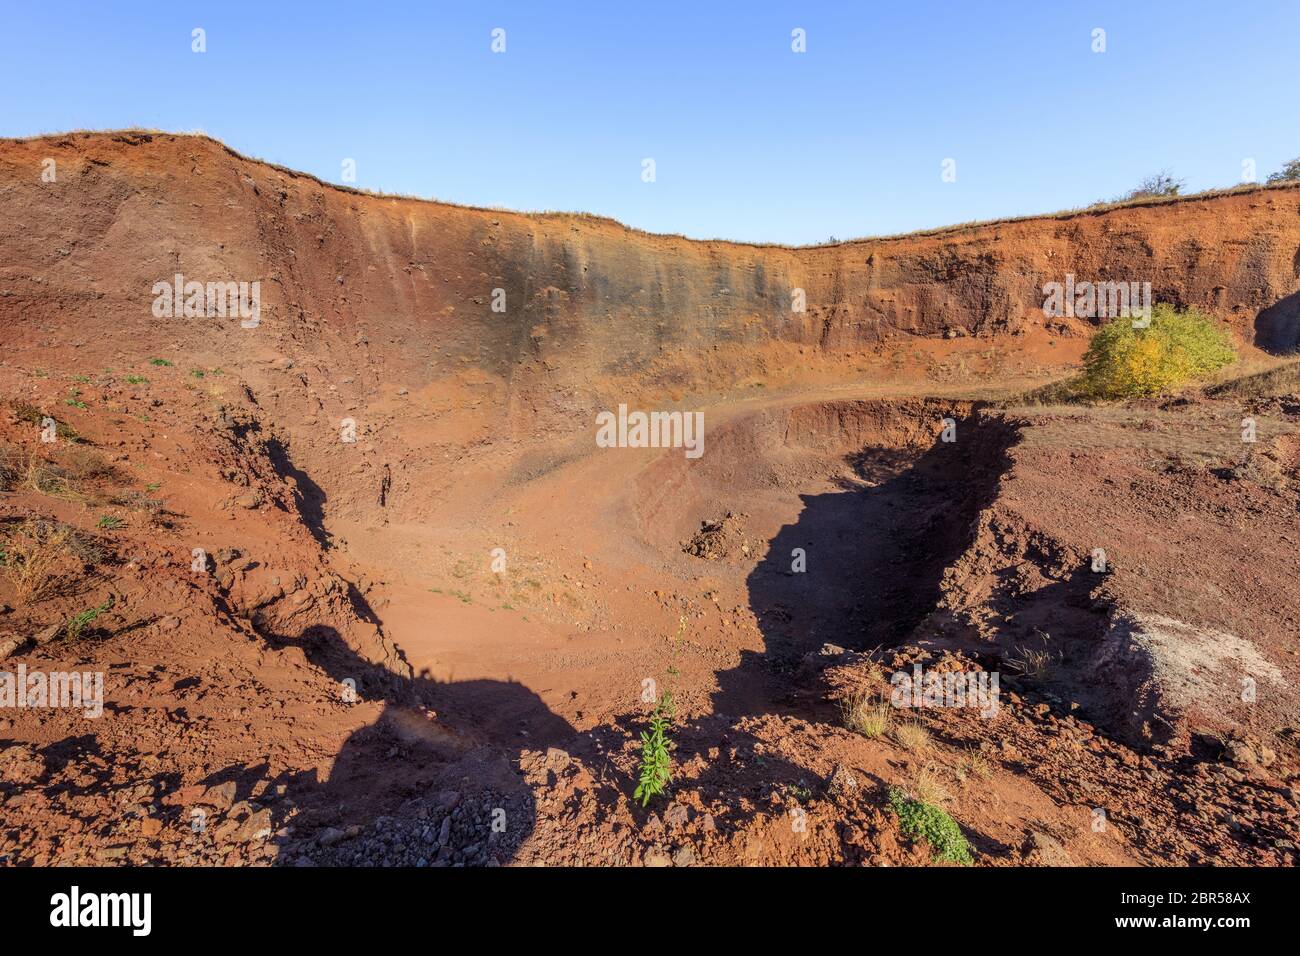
499,693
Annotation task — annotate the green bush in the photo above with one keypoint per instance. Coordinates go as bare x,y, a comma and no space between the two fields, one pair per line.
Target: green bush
921,821
1123,362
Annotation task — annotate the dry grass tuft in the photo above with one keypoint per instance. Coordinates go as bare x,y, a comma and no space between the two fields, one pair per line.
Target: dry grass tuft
928,787
910,735
866,715
85,464
45,477
33,556
1031,662
974,764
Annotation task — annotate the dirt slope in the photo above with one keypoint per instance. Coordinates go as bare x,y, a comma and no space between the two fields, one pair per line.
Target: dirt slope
431,644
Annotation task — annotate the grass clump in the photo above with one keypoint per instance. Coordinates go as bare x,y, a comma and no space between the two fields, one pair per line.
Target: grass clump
912,736
975,764
1032,662
27,412
656,761
86,464
924,821
865,715
929,787
1127,362
32,557
45,477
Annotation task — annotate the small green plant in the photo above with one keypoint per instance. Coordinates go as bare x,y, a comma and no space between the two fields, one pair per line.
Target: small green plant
1124,362
135,380
800,791
160,362
656,761
78,623
923,821
197,372
74,398
110,523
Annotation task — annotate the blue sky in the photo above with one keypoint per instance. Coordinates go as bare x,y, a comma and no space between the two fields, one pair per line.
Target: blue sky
751,141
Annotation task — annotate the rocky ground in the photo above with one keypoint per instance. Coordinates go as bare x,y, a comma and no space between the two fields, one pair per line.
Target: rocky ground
440,643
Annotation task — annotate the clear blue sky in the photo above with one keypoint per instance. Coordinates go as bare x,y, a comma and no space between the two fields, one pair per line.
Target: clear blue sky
751,141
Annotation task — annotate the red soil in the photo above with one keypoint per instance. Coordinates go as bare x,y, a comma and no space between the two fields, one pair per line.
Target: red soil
497,706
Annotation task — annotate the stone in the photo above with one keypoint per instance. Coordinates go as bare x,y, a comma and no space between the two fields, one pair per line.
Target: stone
221,796
21,764
1241,753
329,836
677,815
842,783
48,634
256,827
1039,849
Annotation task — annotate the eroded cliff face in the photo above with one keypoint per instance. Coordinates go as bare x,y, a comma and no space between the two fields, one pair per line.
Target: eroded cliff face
582,295
492,330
